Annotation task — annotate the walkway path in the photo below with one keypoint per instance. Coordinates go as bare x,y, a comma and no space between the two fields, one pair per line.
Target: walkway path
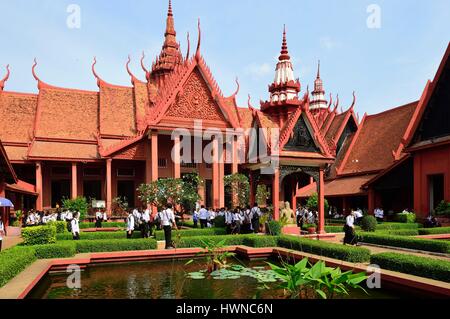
10,241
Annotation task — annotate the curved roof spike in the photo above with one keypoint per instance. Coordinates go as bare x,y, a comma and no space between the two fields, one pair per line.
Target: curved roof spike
238,87
331,101
3,81
197,54
354,101
133,78
33,70
188,47
249,103
99,79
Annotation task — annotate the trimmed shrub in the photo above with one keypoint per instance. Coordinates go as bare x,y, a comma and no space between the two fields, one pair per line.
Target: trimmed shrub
321,248
39,235
104,225
258,241
334,229
389,226
191,242
438,246
193,233
399,232
434,231
274,228
408,218
97,235
414,265
369,223
219,222
13,261
59,250
61,226
91,246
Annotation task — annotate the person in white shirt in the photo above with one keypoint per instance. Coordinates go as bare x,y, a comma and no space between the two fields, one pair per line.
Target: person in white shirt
167,222
98,219
105,217
75,227
349,229
2,233
358,216
146,223
212,217
203,215
229,221
237,221
195,218
256,215
130,225
379,214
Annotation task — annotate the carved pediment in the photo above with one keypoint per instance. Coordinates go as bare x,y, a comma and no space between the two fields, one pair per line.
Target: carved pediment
301,139
195,101
132,152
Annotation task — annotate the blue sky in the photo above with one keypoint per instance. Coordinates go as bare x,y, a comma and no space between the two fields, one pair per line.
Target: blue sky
386,67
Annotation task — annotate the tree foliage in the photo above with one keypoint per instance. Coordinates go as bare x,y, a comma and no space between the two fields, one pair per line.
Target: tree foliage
313,203
240,185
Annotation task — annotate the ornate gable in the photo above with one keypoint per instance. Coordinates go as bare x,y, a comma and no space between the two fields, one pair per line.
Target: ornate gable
135,151
301,139
196,101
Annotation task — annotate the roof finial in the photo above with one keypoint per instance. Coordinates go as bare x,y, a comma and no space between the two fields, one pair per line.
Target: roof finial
354,101
318,70
249,103
147,73
199,39
33,70
170,12
284,48
99,80
188,47
133,78
3,81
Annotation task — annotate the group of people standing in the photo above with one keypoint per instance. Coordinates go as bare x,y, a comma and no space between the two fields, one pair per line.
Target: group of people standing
238,221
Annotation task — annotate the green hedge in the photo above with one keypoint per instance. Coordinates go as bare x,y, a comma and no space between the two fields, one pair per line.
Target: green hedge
399,232
414,265
13,261
389,226
274,228
434,231
321,248
61,226
59,250
439,246
258,241
93,246
405,218
104,225
137,234
229,240
39,235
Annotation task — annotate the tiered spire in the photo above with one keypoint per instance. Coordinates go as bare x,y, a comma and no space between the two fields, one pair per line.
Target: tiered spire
318,100
170,55
285,86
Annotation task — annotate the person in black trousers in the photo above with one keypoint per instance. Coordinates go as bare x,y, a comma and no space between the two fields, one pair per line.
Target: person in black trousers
167,222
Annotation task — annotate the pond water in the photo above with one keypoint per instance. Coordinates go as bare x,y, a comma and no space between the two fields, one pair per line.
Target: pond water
166,280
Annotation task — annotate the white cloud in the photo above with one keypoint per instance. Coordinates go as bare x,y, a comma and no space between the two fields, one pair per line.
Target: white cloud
259,70
328,43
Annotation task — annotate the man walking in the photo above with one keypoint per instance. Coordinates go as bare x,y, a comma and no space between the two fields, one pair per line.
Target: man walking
256,214
167,222
203,215
75,226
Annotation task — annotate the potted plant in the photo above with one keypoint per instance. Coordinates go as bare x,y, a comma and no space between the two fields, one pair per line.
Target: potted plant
310,228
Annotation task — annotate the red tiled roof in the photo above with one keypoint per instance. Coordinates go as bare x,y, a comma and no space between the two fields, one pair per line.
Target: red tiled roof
17,153
22,187
117,114
335,125
61,150
67,114
342,186
17,112
379,137
246,116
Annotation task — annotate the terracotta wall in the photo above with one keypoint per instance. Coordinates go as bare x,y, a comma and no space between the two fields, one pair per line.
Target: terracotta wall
430,162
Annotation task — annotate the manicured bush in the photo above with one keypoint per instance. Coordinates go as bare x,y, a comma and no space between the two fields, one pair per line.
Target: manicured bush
39,235
219,221
61,226
193,233
439,246
399,232
59,250
334,229
321,248
406,217
389,226
191,242
414,265
369,223
434,231
13,261
97,235
91,246
86,225
274,228
258,241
